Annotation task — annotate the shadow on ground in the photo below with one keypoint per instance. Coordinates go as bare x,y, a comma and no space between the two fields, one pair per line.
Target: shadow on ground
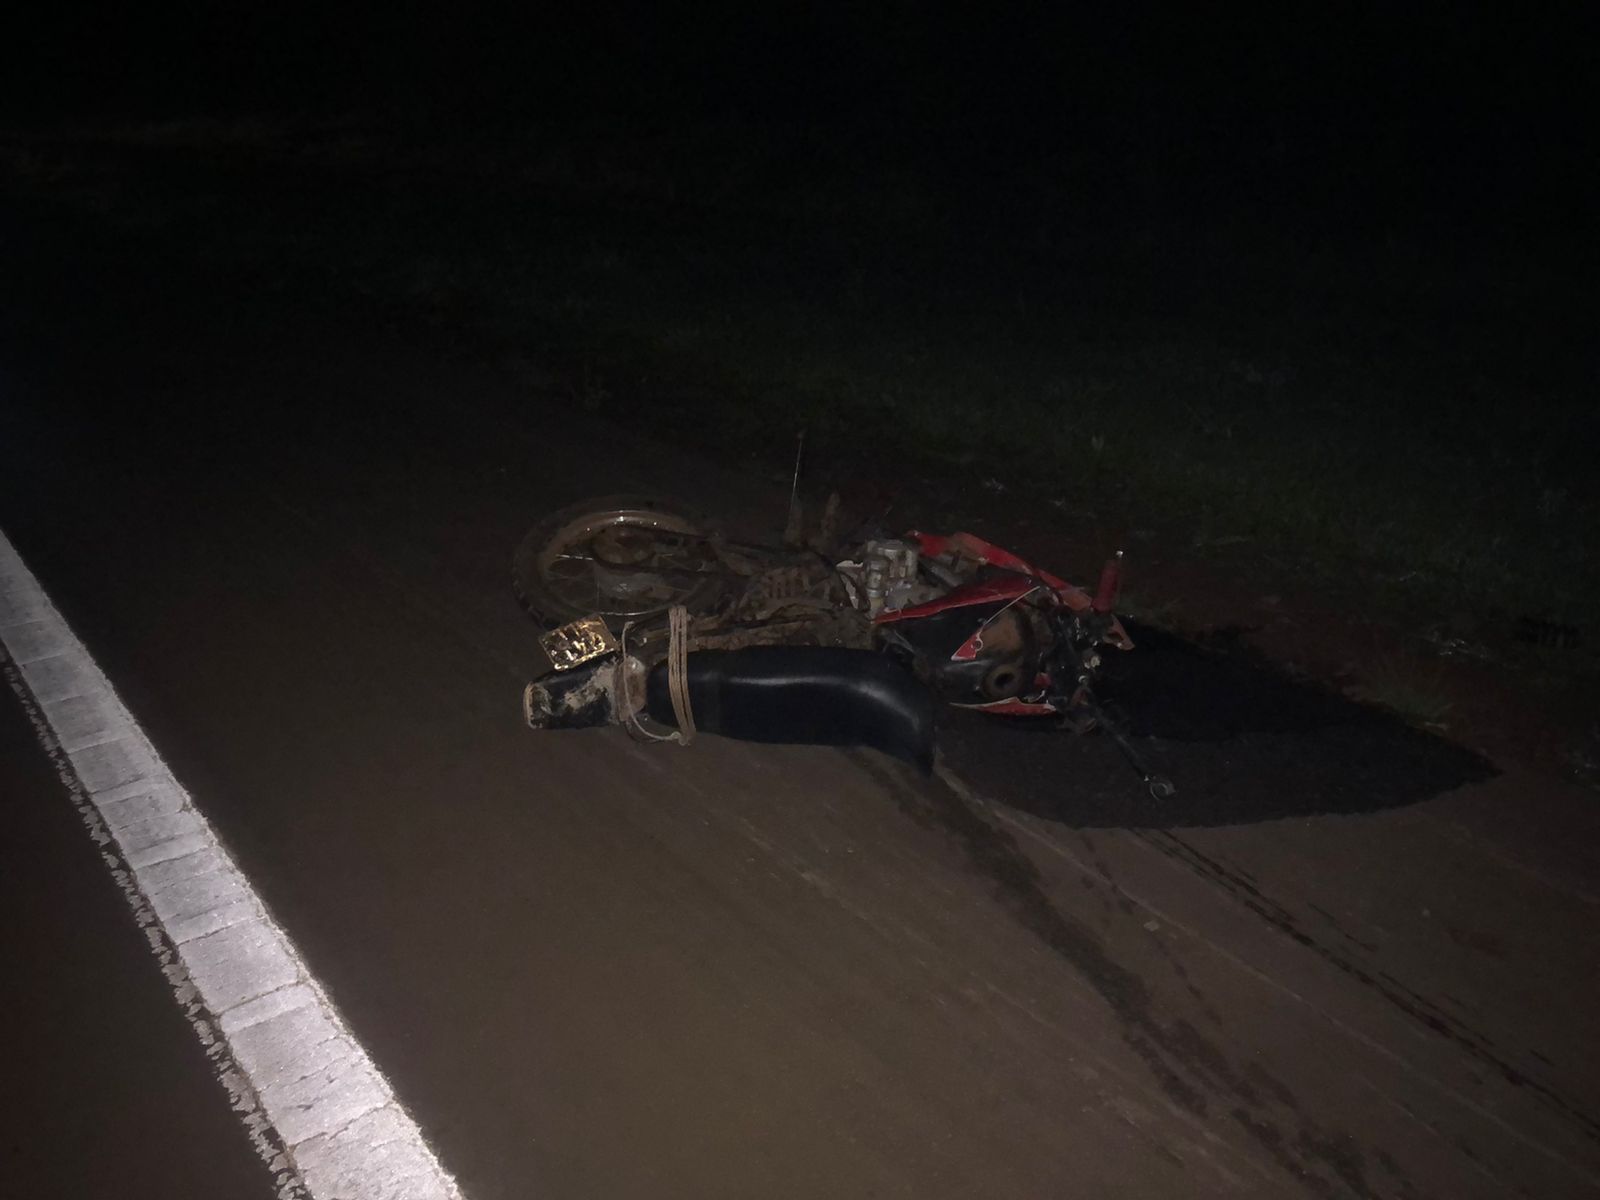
1241,740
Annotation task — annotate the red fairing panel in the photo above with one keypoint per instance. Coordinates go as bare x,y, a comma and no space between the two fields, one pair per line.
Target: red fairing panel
1027,579
990,591
972,546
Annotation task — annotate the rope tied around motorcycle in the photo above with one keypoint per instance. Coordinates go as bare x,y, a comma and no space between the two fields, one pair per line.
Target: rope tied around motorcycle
656,621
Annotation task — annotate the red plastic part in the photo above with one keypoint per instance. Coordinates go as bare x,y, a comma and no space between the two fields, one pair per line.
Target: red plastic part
1105,592
990,591
1026,578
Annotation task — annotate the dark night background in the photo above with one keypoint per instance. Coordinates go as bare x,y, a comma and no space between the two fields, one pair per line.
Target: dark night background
1409,114
1327,268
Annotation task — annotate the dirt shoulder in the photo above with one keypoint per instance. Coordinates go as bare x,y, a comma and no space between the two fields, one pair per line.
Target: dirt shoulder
716,317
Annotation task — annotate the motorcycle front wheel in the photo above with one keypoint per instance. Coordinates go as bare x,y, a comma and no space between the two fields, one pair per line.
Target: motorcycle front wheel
626,558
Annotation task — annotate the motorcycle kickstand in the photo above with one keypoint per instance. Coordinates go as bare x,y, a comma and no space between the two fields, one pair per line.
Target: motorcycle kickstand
1159,786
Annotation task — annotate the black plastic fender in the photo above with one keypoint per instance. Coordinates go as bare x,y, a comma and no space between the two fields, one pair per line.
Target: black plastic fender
813,695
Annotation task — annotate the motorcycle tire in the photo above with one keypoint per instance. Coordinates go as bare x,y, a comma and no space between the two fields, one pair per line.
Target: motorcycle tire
552,603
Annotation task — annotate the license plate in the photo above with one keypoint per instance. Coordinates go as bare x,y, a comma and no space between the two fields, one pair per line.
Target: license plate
577,643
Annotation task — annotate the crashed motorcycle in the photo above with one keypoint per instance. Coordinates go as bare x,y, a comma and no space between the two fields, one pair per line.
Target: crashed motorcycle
657,621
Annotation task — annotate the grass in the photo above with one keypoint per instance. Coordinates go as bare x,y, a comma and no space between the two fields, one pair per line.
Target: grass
1341,401
1163,611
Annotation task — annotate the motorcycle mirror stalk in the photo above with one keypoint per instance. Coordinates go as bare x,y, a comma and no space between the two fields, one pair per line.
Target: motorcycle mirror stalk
794,526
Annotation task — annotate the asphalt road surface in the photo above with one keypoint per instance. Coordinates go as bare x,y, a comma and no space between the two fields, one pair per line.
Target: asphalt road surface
595,968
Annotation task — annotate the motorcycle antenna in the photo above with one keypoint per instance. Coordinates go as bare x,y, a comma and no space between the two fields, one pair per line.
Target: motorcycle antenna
792,527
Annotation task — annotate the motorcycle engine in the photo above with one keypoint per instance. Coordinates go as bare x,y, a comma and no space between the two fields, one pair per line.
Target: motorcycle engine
886,577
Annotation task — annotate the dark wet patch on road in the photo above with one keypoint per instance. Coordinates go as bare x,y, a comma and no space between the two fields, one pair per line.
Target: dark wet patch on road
1242,740
1193,1070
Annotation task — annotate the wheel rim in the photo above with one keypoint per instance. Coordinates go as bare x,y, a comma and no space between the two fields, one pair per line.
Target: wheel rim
627,562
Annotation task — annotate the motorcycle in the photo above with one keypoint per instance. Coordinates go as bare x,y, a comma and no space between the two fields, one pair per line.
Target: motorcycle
657,621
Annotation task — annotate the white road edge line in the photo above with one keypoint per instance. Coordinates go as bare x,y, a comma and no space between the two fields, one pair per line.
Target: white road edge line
319,1112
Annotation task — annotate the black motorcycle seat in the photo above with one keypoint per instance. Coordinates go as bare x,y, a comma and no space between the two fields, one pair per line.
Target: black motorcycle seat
813,695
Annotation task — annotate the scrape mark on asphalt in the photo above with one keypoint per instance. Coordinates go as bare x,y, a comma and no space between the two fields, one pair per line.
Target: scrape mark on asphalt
321,1116
1190,1067
1414,1005
1194,1071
